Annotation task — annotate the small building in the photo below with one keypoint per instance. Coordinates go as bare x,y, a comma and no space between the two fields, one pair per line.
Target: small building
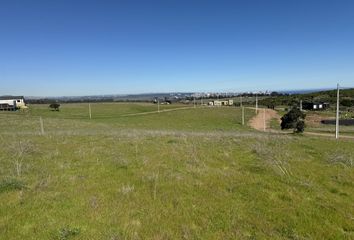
315,106
11,103
229,102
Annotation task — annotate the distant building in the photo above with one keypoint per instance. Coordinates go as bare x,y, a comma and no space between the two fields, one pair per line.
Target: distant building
11,103
229,102
315,105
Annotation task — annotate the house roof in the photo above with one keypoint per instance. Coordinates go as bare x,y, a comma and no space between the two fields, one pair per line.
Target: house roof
10,97
310,102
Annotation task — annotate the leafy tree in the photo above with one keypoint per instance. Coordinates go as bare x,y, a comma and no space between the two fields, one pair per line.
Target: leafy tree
294,119
54,106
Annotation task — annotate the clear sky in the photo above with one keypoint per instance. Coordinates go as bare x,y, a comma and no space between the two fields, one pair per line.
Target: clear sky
68,47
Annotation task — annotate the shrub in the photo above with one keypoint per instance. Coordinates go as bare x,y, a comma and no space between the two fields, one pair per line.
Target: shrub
54,106
294,119
300,126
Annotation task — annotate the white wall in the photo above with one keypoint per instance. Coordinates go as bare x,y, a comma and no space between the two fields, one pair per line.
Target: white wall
11,102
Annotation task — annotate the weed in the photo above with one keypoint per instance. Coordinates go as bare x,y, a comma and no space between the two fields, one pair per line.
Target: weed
11,185
67,233
274,153
20,150
125,189
340,157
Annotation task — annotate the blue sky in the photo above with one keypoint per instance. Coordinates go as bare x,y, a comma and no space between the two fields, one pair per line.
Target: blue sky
54,48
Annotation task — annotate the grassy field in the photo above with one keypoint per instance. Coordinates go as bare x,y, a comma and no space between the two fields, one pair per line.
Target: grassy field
113,116
186,174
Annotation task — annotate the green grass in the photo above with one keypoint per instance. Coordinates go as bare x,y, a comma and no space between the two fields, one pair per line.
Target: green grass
274,124
98,110
187,174
111,116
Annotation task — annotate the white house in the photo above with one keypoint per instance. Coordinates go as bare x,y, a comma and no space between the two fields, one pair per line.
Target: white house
12,102
229,102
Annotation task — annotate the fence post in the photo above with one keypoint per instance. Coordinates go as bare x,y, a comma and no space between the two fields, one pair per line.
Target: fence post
41,124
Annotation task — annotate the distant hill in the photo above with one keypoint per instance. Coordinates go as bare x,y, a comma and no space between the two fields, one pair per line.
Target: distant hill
329,96
349,93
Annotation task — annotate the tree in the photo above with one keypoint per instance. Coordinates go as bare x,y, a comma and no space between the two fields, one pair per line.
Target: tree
294,119
54,106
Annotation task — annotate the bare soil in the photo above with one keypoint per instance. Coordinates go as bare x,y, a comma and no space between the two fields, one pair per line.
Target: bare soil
263,117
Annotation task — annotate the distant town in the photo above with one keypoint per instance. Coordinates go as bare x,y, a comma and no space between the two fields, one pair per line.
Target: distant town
173,96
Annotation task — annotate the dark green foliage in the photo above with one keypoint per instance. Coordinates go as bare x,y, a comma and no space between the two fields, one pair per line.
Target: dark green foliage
55,106
10,185
347,102
347,96
328,96
269,102
294,119
300,126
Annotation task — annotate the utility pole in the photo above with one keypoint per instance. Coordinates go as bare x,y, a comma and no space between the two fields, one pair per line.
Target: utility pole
42,127
243,115
337,113
256,103
90,110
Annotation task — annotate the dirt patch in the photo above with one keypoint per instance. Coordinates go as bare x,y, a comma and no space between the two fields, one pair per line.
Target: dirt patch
314,120
262,120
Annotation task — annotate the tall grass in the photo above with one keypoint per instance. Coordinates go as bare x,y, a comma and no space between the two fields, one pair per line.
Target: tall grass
114,180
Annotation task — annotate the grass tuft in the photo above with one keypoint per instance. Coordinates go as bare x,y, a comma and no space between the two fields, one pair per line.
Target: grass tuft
7,185
275,154
68,233
340,157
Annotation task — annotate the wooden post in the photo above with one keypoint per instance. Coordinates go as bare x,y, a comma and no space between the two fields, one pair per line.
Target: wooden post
256,103
264,119
90,110
337,114
41,124
243,115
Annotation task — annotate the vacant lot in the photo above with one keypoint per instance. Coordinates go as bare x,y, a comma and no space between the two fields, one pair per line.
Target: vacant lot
313,121
186,174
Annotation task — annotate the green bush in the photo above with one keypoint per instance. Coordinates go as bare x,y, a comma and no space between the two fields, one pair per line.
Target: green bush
294,119
54,106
